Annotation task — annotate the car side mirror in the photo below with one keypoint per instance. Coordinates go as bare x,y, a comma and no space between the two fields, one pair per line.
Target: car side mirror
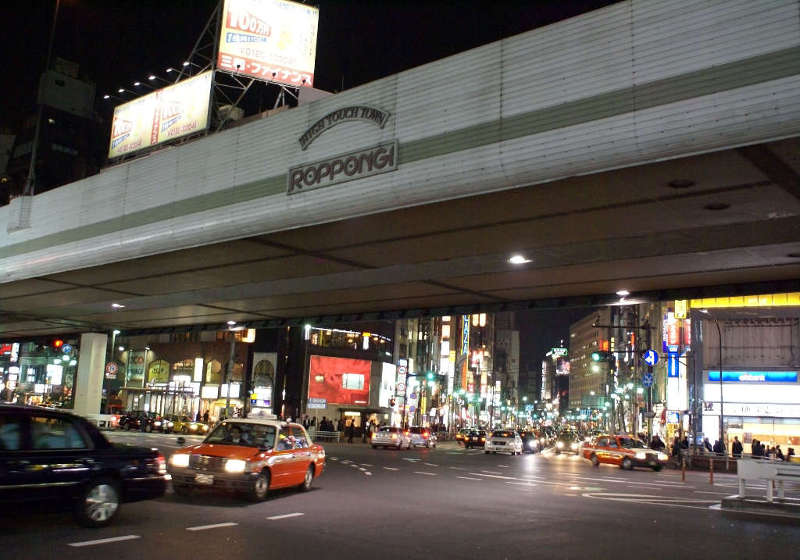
181,440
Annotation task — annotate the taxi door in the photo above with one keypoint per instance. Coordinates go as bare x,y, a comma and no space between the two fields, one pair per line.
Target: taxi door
283,458
302,454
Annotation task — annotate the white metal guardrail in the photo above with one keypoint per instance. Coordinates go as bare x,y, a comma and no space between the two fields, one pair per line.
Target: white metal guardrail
774,472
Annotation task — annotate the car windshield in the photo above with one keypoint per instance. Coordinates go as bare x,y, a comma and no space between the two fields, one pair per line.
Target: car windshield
630,443
388,429
503,434
246,435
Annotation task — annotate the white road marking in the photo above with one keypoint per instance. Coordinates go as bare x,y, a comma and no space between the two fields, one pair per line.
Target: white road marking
333,458
362,469
410,459
504,466
425,473
431,464
366,465
285,516
368,473
491,472
531,484
715,493
391,468
104,541
468,478
458,468
214,526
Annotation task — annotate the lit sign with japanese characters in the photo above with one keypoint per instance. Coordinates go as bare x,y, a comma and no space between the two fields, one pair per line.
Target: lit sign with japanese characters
163,115
272,40
754,376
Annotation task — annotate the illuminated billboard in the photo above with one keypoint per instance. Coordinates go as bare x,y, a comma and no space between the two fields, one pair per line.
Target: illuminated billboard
163,115
272,40
339,380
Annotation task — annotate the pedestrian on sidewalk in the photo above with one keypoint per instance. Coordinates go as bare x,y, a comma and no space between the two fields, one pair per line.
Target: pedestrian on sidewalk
350,431
755,448
718,448
737,447
707,445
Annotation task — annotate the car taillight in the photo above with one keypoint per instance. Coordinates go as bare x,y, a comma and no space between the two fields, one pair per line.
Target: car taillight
483,439
161,464
394,436
373,435
426,434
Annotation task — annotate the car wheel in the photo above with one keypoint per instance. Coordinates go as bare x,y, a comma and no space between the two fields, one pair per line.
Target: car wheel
308,479
259,488
399,445
486,452
657,467
595,461
148,428
374,447
98,503
184,430
626,464
182,489
494,452
127,426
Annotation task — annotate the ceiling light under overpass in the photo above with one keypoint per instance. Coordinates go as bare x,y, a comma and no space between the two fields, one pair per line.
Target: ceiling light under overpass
117,305
518,259
623,293
231,323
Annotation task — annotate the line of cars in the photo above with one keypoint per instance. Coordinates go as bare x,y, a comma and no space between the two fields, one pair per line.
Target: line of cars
528,441
57,460
398,438
144,421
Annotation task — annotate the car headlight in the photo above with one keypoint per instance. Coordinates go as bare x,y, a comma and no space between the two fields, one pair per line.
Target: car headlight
205,428
533,444
641,455
235,466
662,456
170,424
179,460
157,423
574,446
560,444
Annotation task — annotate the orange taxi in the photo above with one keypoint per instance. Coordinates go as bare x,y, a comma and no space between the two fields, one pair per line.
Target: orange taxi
625,451
250,456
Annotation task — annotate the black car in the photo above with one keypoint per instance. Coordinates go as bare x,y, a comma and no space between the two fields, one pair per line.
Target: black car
568,442
145,422
59,460
475,438
531,442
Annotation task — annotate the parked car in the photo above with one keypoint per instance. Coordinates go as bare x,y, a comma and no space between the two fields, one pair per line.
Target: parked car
60,460
421,437
185,425
249,456
389,436
475,438
504,441
625,451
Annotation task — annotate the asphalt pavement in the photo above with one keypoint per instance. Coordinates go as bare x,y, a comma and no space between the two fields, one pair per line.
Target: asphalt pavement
446,502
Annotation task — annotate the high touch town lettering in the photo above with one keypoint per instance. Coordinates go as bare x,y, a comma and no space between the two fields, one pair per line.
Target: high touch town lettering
346,167
353,113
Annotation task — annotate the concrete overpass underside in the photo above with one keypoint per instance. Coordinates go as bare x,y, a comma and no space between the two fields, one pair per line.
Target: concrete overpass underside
718,223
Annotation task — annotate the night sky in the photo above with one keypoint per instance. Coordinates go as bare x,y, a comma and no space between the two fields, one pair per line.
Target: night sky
117,42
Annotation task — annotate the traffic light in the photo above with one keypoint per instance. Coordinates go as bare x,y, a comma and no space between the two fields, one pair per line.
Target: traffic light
599,356
430,376
58,343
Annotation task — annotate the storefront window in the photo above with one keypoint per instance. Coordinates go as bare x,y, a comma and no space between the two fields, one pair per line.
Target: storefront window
39,374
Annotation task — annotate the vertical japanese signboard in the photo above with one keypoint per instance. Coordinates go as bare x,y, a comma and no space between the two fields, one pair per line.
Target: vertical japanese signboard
160,116
273,40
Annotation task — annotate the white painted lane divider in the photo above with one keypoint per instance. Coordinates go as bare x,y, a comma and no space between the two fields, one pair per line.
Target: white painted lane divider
104,541
367,465
391,468
431,464
468,478
214,526
285,516
425,473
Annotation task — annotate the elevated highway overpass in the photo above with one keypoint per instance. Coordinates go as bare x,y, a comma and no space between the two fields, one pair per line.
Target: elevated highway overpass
651,146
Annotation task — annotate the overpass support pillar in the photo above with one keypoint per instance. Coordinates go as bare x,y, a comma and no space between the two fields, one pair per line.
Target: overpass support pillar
91,363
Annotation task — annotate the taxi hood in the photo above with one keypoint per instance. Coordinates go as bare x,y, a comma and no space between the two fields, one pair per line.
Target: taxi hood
221,450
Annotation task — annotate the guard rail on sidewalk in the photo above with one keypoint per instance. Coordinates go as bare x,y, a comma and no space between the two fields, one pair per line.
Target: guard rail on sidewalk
771,471
326,436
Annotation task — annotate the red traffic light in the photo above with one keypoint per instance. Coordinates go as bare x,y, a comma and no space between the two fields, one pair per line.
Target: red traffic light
58,343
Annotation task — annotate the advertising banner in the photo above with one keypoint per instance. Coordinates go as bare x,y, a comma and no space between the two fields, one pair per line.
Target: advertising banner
163,115
273,40
388,384
339,380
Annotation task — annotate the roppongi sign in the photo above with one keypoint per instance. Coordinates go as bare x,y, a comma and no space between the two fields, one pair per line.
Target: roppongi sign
273,40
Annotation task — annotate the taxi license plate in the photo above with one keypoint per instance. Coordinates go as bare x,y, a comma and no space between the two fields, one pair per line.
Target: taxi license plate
204,479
